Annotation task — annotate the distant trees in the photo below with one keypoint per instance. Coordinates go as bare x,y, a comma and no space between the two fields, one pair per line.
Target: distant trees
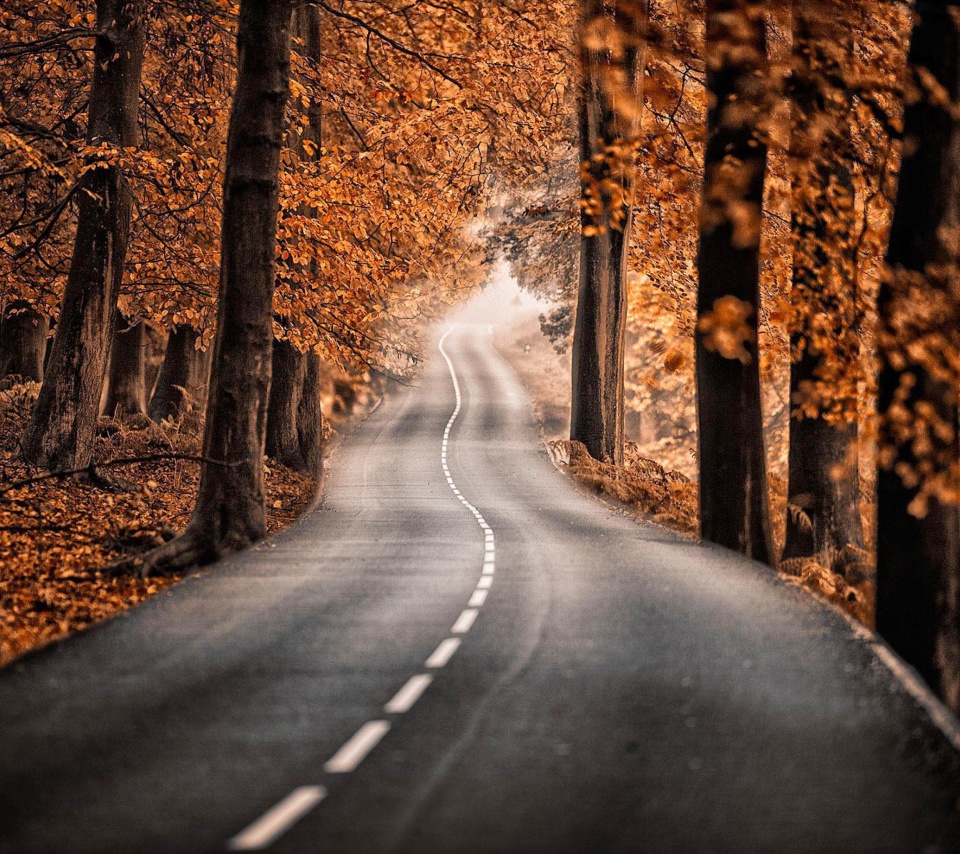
60,434
610,105
23,341
734,509
127,379
918,518
184,371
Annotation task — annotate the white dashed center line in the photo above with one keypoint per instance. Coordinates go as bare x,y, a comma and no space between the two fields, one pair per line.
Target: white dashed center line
266,829
477,598
404,699
277,819
465,621
356,749
443,653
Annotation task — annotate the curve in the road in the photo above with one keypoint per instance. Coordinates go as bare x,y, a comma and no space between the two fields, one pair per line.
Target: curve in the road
282,816
622,690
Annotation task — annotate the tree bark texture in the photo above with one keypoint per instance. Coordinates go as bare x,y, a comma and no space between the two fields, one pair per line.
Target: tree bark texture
183,377
918,555
734,505
127,379
229,514
23,342
289,371
611,99
61,432
823,493
294,420
310,417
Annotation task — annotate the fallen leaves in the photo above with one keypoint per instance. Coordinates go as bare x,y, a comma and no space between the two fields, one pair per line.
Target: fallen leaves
57,535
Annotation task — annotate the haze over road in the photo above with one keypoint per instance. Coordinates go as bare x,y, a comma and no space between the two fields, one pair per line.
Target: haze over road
462,652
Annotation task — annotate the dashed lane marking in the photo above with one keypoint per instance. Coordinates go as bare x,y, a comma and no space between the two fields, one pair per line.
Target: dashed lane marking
465,621
404,699
443,653
356,749
278,819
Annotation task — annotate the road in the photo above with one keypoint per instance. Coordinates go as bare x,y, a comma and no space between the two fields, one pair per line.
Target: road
489,661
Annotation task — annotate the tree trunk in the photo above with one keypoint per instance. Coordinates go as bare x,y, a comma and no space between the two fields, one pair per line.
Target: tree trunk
294,421
229,514
23,342
310,417
734,506
918,554
823,493
611,100
289,370
61,432
183,376
127,381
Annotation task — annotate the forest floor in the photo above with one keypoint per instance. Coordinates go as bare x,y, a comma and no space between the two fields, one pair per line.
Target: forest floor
647,486
57,535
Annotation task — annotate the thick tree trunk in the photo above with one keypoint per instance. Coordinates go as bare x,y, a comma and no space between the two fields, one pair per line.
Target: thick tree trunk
229,514
823,492
183,376
61,432
23,342
127,380
734,505
918,554
611,100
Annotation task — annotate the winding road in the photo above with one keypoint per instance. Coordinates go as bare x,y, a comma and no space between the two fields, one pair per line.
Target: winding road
460,652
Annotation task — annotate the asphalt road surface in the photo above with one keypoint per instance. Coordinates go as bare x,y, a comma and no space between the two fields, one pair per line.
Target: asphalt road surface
461,651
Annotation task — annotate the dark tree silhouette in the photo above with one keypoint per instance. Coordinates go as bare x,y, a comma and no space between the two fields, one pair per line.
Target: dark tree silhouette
918,553
734,507
823,482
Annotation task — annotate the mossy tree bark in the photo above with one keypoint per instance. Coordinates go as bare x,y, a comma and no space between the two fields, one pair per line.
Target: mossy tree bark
61,431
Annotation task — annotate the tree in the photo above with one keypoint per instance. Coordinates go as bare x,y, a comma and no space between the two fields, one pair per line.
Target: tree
734,508
918,539
60,433
127,379
229,514
823,493
611,100
294,418
23,342
183,375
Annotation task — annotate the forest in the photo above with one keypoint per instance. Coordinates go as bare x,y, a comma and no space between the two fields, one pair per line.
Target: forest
227,229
